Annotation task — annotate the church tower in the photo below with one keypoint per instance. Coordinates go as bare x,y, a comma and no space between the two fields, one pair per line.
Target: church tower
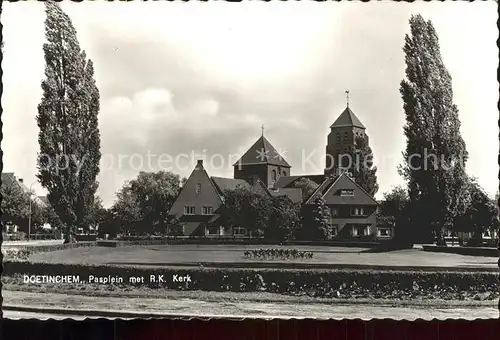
261,161
342,137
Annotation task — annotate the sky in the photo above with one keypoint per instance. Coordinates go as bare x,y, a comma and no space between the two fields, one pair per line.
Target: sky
200,79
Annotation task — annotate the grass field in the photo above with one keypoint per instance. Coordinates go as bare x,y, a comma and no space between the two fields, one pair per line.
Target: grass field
168,254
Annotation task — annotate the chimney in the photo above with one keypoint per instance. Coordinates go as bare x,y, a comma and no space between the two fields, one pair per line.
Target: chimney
20,180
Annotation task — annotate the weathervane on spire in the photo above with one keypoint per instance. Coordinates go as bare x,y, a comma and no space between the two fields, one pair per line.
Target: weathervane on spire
262,127
347,97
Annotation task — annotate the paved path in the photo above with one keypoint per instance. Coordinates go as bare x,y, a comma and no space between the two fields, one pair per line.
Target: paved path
85,306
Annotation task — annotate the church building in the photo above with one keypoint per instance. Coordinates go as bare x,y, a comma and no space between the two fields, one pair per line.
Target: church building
262,168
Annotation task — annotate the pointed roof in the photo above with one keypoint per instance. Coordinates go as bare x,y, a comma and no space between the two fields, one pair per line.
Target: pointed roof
347,118
262,152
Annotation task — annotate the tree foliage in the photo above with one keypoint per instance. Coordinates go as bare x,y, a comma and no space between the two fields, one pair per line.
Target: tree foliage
246,208
307,186
284,219
143,204
480,215
16,209
394,210
362,169
315,220
435,154
69,137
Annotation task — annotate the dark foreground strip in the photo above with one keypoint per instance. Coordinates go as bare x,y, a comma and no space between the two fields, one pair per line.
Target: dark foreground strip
125,315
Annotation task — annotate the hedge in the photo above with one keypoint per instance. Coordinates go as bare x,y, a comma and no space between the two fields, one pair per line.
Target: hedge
320,283
138,240
472,251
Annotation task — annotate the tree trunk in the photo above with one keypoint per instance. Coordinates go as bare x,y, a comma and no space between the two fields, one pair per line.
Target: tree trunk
69,236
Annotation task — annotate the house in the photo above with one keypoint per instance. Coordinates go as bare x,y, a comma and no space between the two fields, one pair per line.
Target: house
197,205
352,209
263,168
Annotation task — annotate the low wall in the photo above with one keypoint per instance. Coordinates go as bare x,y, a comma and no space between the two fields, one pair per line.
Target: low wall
471,251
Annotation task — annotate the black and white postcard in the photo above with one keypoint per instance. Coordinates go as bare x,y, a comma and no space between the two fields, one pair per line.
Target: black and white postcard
250,160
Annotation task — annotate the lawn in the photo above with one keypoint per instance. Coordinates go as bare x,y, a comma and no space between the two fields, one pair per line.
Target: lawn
163,255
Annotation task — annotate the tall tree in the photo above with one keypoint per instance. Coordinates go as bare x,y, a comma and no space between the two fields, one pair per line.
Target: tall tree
363,171
69,137
435,155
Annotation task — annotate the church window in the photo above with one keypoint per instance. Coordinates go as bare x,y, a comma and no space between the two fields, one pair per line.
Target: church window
346,137
284,173
198,188
274,175
337,137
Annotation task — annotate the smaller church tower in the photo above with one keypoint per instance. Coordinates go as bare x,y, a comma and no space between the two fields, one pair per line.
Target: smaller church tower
342,137
261,161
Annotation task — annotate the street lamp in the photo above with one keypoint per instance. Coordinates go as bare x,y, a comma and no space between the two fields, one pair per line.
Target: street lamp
29,215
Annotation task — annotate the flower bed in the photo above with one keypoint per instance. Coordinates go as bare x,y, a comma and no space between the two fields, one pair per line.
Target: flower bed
285,254
341,283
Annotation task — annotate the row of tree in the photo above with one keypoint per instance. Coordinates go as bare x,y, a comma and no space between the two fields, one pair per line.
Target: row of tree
143,204
440,194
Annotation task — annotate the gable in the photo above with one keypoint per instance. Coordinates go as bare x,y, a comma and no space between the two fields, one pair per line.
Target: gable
359,197
189,195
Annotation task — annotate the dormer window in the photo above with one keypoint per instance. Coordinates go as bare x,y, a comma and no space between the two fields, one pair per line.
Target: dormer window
347,192
189,210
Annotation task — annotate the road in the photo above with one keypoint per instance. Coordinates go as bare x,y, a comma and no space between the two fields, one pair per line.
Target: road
26,304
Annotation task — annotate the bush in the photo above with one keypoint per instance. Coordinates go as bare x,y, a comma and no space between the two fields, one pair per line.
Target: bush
288,254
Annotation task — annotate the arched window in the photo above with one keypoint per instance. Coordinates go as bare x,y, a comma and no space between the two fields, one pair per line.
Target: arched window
284,173
274,175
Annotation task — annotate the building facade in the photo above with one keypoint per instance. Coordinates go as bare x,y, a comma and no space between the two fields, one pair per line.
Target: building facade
262,168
